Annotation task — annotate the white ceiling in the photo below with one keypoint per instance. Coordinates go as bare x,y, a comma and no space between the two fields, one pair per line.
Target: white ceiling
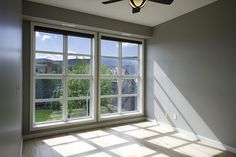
151,15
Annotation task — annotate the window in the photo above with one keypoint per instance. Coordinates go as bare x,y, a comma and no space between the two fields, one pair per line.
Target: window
63,76
120,76
72,83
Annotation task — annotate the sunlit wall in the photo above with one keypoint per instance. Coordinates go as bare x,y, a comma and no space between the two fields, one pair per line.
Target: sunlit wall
191,72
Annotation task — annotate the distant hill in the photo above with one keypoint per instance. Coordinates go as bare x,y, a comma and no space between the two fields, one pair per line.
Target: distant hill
128,65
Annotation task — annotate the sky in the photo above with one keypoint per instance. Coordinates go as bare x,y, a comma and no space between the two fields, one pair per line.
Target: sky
78,45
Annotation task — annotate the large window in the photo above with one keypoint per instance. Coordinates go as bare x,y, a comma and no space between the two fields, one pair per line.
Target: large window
72,81
120,76
62,75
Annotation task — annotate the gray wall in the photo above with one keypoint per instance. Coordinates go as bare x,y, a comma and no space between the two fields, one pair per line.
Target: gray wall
102,24
26,77
191,72
10,78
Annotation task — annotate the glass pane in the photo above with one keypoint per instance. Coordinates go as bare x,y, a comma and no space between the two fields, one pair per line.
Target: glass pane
129,86
78,87
129,50
129,67
48,63
48,88
129,103
48,42
109,48
79,45
109,87
108,105
48,111
109,66
78,108
79,65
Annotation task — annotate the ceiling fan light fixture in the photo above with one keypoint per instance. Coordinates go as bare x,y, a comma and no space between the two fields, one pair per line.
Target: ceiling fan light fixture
137,3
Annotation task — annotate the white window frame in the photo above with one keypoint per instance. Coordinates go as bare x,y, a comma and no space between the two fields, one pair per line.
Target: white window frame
64,77
119,77
96,76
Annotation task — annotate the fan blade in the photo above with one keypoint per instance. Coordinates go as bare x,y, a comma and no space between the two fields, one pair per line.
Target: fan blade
163,1
111,1
135,10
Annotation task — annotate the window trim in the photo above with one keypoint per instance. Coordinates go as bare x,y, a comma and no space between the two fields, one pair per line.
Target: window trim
95,74
92,76
140,76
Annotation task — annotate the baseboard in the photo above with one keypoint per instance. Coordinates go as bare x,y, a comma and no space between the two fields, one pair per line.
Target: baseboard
151,120
91,126
21,147
209,141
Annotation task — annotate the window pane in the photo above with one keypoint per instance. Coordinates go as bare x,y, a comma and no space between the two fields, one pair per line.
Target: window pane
48,42
129,103
109,66
109,48
48,63
129,50
78,108
129,67
48,88
78,87
48,111
129,86
108,105
79,45
78,65
109,87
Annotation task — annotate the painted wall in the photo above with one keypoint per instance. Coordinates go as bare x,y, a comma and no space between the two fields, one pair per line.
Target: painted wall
191,72
26,77
93,22
10,78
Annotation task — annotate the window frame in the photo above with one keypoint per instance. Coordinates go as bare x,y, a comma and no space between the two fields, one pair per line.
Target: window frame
95,74
119,77
65,76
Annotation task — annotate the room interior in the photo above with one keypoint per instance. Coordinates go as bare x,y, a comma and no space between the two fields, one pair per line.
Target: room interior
122,78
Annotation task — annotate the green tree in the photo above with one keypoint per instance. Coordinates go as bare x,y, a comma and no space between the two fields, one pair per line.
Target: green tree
77,88
81,87
106,86
80,67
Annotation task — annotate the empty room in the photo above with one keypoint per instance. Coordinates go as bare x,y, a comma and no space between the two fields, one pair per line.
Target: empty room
118,78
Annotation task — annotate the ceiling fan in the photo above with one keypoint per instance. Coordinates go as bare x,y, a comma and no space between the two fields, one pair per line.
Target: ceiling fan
138,4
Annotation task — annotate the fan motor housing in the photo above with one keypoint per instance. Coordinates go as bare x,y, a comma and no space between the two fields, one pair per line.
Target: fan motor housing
137,3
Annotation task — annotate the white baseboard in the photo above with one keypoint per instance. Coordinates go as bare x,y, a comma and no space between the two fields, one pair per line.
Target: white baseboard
21,147
151,120
206,140
91,126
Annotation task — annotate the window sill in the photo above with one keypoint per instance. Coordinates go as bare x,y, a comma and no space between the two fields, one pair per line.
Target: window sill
121,115
44,126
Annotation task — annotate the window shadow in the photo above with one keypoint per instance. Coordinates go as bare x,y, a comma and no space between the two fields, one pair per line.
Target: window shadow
142,139
168,100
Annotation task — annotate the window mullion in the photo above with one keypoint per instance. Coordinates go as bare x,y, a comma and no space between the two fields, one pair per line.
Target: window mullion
139,91
92,80
119,76
33,76
48,52
65,48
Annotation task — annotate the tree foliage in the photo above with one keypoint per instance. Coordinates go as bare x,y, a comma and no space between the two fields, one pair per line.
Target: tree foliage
76,87
81,87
